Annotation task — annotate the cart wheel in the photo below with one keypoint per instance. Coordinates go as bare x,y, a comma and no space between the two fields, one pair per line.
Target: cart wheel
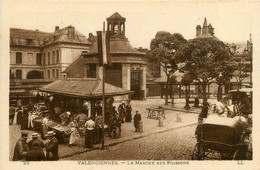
240,154
198,152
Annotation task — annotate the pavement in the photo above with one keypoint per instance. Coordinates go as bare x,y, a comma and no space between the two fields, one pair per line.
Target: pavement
177,144
150,126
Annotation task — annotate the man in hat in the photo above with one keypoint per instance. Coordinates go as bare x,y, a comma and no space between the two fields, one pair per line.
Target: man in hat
35,154
52,146
35,140
137,119
21,147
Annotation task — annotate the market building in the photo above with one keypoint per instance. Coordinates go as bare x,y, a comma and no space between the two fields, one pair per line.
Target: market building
128,65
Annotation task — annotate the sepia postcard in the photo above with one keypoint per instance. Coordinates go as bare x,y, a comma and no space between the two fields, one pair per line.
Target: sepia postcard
129,84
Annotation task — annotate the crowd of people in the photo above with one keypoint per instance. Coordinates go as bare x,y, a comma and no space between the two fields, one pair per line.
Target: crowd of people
86,123
36,149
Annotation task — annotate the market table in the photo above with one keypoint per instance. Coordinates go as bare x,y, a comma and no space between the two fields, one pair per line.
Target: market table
155,112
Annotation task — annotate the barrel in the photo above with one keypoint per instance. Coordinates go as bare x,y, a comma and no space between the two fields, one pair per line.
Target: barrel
140,126
160,121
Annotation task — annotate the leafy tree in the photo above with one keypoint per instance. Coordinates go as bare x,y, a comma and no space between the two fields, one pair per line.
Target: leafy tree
225,72
163,47
242,71
187,79
203,57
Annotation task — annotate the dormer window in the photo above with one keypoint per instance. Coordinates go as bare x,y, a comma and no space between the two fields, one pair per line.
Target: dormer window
29,42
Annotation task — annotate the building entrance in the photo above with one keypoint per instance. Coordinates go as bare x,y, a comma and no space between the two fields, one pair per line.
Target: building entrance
135,85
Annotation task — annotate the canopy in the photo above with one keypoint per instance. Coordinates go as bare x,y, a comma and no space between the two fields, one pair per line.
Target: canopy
83,88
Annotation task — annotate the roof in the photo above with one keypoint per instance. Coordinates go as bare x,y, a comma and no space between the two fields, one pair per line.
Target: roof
19,36
62,35
207,35
85,88
116,16
24,33
117,46
39,38
76,69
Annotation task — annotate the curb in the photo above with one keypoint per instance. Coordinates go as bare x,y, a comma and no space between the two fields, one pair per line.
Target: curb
130,139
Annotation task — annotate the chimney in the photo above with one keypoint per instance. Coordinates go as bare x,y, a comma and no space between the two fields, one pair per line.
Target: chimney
57,28
198,30
90,35
211,30
71,32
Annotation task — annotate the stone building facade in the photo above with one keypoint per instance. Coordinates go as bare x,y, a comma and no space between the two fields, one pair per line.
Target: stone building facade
38,58
41,55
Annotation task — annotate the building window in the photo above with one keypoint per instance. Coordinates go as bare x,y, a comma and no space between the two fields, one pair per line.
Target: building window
44,58
49,58
58,57
53,57
57,73
29,41
12,76
53,73
18,58
39,59
18,74
49,74
91,73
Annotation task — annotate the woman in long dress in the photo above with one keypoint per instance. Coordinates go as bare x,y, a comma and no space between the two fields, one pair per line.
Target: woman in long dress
74,135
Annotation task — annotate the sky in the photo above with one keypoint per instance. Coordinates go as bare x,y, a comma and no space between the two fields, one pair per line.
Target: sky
233,21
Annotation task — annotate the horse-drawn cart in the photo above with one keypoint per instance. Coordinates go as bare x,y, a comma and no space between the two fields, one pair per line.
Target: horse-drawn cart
222,138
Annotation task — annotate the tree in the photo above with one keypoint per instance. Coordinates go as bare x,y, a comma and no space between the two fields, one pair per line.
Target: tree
163,47
203,57
187,79
242,71
225,72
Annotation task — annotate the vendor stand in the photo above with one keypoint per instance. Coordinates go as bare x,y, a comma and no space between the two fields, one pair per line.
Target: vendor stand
69,94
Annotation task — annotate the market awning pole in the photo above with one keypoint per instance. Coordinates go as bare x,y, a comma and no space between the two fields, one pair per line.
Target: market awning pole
103,100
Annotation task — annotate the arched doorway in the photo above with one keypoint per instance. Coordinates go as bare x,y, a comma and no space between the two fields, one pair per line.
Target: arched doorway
34,75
